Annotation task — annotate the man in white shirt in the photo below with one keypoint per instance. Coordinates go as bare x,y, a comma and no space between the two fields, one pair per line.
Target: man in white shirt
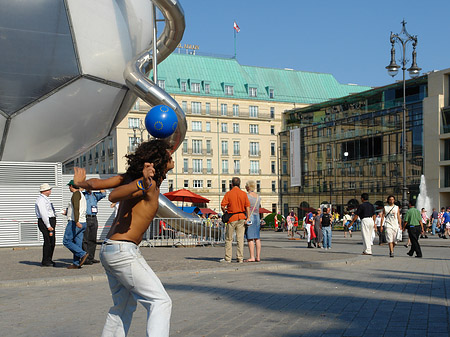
46,223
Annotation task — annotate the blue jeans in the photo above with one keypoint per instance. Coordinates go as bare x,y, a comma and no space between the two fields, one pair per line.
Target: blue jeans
433,226
73,240
326,231
131,280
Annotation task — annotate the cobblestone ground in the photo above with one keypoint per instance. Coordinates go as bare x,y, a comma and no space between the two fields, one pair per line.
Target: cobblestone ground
380,296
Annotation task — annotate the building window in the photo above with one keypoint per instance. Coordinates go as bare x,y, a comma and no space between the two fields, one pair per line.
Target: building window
185,165
137,105
133,142
209,183
284,167
254,149
170,183
284,149
185,146
207,88
285,191
271,93
237,167
197,146
252,92
273,167
209,166
258,186
208,127
272,112
196,108
183,86
197,165
253,128
229,90
225,166
208,146
235,127
196,126
253,111
254,166
272,130
223,109
236,148
197,183
274,186
186,183
272,149
162,84
133,122
224,185
224,147
195,87
224,127
235,110
184,105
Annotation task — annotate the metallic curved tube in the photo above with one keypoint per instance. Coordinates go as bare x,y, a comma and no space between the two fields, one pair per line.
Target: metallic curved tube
136,78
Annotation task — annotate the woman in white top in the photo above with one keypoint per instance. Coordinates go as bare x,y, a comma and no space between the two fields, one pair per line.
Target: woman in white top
390,219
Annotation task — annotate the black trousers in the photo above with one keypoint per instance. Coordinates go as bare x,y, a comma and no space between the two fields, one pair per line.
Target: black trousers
49,241
414,233
90,237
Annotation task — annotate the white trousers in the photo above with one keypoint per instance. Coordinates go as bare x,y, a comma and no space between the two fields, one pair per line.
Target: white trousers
367,228
131,280
308,231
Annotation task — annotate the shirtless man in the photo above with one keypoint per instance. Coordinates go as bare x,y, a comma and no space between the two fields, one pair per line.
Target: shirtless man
130,279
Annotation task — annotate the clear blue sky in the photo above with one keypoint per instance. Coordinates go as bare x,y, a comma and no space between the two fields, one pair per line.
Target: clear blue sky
347,38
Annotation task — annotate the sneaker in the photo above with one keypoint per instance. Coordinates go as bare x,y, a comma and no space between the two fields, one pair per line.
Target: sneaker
224,261
391,254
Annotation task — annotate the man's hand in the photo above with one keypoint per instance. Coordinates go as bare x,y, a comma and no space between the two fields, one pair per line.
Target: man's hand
79,175
50,229
79,225
148,173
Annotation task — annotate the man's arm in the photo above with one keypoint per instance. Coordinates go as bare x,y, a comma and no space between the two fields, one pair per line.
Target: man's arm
136,188
76,197
100,195
79,179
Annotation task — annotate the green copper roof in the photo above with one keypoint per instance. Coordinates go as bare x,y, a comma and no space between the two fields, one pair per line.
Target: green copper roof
288,85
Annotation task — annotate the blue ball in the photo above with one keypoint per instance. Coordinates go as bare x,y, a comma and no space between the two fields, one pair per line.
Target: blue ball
161,121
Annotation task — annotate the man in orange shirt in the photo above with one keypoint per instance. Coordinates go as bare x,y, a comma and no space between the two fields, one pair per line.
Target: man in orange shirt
235,202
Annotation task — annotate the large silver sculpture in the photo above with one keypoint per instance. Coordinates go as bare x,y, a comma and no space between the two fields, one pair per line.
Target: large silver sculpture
70,70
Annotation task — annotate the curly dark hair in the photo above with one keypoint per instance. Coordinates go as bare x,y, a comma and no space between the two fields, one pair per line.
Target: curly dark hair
152,151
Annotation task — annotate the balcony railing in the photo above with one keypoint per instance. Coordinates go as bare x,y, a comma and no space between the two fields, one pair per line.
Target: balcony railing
254,153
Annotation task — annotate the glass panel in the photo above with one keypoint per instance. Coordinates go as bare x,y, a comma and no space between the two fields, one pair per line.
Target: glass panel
36,50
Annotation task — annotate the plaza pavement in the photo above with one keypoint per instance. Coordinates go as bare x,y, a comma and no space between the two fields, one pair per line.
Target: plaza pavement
294,291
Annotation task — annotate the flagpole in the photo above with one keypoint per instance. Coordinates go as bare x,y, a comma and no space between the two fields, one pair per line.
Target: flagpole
234,43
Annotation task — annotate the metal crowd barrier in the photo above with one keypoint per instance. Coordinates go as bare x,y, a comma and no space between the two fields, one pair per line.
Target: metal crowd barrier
167,232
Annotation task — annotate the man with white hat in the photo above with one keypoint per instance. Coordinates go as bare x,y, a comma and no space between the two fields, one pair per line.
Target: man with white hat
45,213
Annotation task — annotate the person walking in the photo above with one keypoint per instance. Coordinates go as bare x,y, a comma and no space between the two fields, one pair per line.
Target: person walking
252,232
423,214
414,225
236,203
308,224
391,222
45,212
318,228
326,228
90,235
381,236
290,219
366,212
434,221
73,235
446,223
346,221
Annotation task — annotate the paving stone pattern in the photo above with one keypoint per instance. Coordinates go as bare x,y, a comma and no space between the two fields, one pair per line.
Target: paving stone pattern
350,296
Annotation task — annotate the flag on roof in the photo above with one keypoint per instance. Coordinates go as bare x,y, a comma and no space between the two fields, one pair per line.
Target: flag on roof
236,27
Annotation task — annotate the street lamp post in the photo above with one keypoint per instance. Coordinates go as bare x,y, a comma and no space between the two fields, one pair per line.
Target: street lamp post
403,38
141,128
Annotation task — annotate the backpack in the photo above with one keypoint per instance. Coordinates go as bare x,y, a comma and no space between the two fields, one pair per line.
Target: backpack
308,218
326,220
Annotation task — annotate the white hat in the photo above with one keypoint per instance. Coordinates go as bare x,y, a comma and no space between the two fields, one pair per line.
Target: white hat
45,187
